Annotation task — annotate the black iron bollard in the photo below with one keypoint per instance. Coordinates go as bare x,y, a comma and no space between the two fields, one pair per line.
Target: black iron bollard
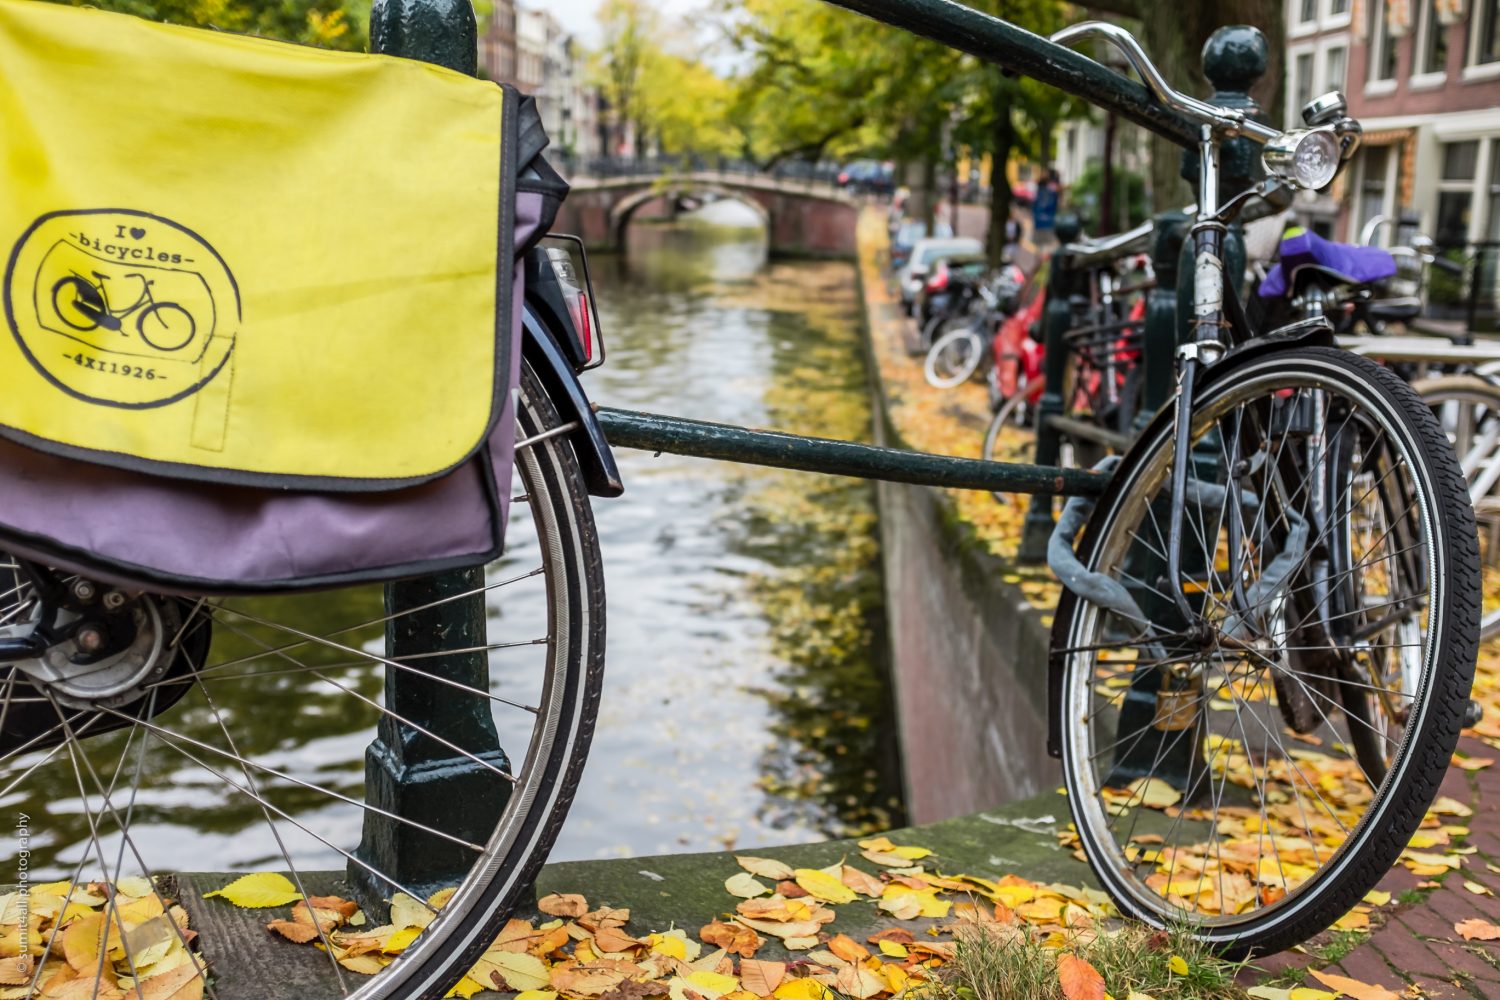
1233,59
1159,344
407,772
1057,318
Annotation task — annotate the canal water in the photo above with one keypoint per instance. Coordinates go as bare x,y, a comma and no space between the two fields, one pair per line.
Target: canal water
744,697
744,701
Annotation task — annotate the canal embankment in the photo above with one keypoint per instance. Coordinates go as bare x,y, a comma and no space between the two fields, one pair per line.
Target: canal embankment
967,623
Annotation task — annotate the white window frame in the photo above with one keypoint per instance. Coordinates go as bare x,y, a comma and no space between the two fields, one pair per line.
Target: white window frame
1388,195
1478,188
1329,20
1473,69
1319,49
1300,29
1426,22
1324,78
1293,53
1324,19
1379,37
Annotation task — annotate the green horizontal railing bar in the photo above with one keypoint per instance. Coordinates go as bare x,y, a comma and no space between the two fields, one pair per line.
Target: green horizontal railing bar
701,439
1018,50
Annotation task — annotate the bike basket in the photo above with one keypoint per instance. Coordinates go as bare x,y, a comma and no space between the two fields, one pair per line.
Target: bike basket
262,303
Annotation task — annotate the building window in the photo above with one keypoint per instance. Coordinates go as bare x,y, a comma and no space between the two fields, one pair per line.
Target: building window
1335,67
1307,11
1493,231
1382,45
1455,201
1375,168
1302,82
1338,7
1486,44
1432,41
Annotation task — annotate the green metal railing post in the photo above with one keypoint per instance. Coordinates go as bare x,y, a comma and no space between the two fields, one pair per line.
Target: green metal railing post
1159,345
1233,59
407,771
1057,318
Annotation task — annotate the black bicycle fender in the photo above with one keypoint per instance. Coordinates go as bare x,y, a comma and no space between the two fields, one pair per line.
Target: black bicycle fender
601,474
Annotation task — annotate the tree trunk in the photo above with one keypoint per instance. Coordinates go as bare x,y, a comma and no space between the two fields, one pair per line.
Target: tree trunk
1173,35
1000,194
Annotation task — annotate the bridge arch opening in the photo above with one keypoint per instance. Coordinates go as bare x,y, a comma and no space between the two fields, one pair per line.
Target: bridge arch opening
725,206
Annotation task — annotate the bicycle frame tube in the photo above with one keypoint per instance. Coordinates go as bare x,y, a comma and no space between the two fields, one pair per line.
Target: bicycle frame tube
1206,347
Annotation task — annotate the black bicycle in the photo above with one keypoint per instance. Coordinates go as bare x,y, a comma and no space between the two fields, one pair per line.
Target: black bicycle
1262,663
83,304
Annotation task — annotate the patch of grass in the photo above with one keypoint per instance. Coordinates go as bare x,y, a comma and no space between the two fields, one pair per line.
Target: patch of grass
1411,897
1014,963
1340,944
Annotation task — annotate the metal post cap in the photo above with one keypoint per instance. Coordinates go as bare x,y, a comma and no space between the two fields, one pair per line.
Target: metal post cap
1067,227
1235,56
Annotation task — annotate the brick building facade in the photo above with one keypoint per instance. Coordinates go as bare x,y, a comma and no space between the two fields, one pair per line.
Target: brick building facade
1423,77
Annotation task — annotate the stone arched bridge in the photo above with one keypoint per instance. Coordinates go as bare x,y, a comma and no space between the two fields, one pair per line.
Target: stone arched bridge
801,217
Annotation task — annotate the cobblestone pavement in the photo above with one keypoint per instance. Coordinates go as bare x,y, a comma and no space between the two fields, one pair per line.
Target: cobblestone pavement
1414,949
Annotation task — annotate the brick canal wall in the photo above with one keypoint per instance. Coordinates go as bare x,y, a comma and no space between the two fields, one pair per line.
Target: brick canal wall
968,628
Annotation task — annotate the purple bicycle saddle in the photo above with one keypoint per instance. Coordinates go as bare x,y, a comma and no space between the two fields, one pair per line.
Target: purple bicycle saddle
1347,263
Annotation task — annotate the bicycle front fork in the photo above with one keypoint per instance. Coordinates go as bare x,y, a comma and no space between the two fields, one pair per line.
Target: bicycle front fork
1206,346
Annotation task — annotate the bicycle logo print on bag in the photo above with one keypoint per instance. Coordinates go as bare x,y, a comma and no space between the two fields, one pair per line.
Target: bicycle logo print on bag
121,308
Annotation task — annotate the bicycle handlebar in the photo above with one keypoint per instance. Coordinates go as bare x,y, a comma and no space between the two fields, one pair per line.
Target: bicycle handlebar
1226,121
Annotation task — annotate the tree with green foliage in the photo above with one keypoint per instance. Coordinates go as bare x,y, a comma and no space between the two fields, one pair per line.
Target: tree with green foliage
655,83
823,81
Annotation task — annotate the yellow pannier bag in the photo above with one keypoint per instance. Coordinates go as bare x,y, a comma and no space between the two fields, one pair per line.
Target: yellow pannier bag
248,262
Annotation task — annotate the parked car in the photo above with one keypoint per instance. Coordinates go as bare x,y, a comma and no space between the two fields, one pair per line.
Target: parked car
926,253
869,177
908,234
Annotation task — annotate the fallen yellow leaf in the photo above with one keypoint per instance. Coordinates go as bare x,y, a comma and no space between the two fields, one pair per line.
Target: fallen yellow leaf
821,885
258,891
776,871
745,885
803,989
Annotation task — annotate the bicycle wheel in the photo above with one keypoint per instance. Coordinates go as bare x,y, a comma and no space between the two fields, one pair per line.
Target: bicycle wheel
77,303
262,765
1468,407
954,359
1016,412
933,330
1210,763
167,326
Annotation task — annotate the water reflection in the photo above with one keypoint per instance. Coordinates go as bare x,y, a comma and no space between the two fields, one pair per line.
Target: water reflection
743,702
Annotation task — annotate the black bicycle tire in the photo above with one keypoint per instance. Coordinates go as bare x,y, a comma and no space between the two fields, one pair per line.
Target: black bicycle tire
73,282
157,309
1409,791
970,365
567,758
1437,387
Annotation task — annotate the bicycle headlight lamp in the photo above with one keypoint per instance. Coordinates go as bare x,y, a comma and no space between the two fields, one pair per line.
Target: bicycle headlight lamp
1305,157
